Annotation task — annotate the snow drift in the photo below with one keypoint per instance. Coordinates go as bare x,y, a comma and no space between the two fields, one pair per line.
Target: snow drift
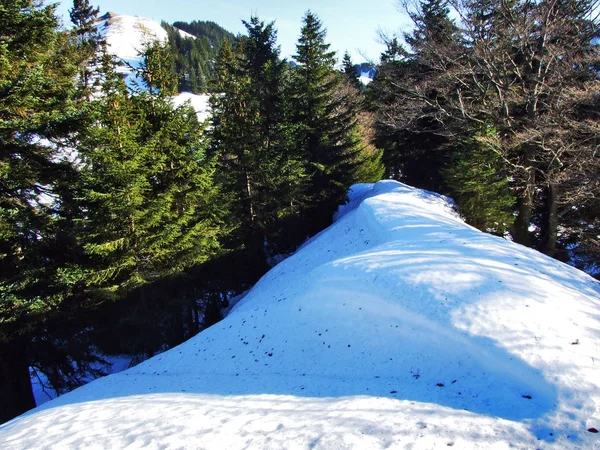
397,326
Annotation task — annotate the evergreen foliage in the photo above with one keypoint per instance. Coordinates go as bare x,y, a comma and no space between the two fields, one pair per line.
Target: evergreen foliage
526,69
121,218
258,167
147,186
37,112
195,56
349,71
325,116
479,185
416,146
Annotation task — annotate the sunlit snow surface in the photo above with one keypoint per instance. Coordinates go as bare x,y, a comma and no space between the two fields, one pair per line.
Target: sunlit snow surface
198,101
127,36
397,327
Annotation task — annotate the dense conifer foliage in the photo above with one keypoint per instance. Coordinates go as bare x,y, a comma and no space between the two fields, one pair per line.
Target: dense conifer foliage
289,139
519,79
126,224
37,110
327,131
195,55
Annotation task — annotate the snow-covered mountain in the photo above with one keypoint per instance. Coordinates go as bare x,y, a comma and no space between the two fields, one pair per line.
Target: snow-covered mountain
126,36
397,327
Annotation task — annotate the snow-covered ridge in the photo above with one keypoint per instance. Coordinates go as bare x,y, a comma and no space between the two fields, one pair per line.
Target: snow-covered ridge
127,36
397,326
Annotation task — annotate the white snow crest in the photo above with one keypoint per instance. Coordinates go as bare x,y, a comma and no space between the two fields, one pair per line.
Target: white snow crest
397,327
127,36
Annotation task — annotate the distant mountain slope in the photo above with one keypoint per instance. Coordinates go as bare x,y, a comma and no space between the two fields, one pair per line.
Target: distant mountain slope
196,46
214,32
126,36
398,326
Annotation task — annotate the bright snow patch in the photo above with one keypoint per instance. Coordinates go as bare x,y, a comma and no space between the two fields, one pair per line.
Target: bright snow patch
198,101
127,36
365,80
399,326
185,34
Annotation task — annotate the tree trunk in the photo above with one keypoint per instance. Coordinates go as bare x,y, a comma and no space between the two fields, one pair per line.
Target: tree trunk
550,225
16,393
520,232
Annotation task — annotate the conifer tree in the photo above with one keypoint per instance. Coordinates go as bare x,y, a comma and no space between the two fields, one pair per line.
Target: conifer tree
479,184
349,71
259,168
88,42
36,113
325,115
148,189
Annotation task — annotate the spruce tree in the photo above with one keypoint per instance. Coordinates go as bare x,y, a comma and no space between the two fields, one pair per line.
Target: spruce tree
37,112
148,189
479,184
260,169
349,71
88,42
325,114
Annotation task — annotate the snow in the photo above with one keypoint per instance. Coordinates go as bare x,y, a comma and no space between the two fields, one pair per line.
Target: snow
365,80
185,34
127,36
397,327
198,101
43,393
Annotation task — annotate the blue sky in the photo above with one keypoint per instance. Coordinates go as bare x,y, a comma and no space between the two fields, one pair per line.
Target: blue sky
351,24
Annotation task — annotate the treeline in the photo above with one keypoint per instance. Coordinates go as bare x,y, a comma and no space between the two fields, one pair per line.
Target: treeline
126,225
499,109
195,56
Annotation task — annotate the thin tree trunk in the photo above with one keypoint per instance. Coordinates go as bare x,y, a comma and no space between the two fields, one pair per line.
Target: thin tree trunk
250,201
551,220
16,393
525,208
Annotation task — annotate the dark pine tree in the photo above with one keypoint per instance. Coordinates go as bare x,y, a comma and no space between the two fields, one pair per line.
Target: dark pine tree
325,115
37,112
349,71
259,168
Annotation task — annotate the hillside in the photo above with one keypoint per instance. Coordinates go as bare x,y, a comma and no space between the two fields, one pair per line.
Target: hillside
126,36
196,46
397,326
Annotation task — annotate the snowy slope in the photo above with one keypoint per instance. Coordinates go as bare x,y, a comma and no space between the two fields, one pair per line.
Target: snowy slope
126,36
198,101
397,327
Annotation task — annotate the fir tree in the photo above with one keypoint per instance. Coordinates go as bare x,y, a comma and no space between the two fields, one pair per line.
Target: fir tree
349,71
479,185
325,114
88,42
37,112
259,167
148,189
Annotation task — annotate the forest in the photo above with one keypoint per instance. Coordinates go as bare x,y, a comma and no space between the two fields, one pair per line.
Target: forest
127,225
